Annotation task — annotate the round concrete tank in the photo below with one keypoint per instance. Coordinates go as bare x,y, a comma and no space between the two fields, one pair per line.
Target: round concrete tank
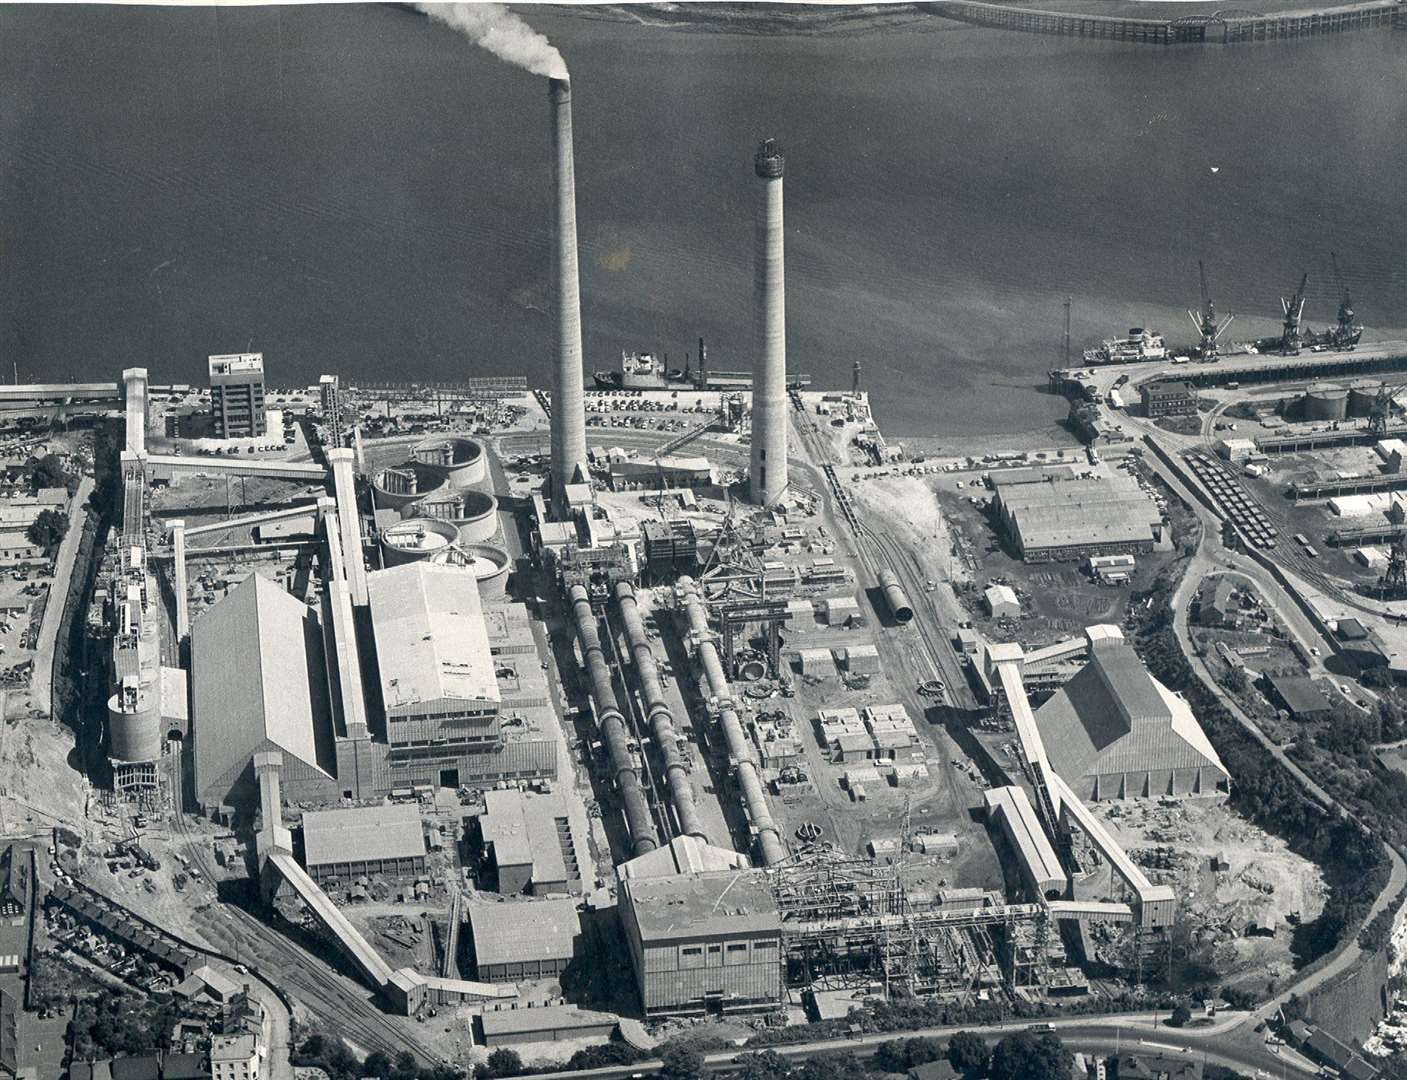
1326,401
401,485
478,520
461,461
899,605
752,670
490,565
134,735
416,539
1361,396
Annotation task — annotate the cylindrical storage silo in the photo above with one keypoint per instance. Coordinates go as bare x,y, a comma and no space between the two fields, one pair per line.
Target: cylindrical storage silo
416,539
1326,401
134,726
1361,396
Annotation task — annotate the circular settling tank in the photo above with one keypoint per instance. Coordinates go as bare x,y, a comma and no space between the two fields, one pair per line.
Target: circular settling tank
461,461
416,539
479,517
490,565
401,485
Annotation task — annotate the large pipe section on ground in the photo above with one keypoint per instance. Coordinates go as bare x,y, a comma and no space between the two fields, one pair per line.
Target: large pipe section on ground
768,470
681,792
568,392
769,837
894,596
612,723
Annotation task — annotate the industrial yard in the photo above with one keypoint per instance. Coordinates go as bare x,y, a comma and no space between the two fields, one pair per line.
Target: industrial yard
457,717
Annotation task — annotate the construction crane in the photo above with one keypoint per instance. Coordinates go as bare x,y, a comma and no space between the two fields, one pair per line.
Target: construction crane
1207,324
1381,411
1294,309
1346,334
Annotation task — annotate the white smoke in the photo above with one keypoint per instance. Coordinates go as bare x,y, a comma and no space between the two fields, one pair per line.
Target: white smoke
502,33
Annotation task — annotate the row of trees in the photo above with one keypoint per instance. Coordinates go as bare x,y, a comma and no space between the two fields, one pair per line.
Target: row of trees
1023,1055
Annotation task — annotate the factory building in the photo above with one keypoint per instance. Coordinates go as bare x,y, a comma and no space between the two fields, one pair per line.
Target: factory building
1115,732
237,395
1068,520
701,941
438,686
1009,809
260,684
366,841
1169,398
660,474
529,940
525,843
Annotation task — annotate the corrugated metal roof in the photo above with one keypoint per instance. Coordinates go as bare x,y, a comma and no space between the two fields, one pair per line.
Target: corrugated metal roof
365,832
259,674
523,830
1113,717
511,933
1023,828
431,643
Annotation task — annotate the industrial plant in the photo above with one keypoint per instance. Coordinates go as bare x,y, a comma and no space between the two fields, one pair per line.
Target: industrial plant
694,697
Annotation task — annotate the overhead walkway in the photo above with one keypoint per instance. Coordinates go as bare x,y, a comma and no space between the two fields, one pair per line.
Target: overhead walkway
172,465
250,520
1155,905
405,989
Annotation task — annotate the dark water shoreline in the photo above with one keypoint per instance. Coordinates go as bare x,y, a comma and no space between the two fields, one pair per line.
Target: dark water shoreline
354,190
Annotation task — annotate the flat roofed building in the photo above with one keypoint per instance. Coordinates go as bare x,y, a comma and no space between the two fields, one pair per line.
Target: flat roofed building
1115,732
526,940
683,855
237,395
234,1057
1074,519
339,845
432,649
703,942
549,1023
260,679
1169,398
525,842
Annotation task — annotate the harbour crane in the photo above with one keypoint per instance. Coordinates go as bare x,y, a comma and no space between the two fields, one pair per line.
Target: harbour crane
1294,309
1381,410
1346,334
1207,324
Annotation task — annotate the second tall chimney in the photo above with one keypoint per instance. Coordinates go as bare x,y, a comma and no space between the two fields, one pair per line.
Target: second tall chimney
568,404
768,472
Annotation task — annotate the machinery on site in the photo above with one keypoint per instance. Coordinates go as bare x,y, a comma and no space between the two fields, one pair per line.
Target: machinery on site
1208,328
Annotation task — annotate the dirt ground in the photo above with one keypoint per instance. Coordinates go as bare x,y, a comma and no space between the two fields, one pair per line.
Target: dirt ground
38,786
908,507
1264,884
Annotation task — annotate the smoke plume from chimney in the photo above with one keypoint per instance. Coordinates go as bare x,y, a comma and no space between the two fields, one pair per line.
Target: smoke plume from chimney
502,33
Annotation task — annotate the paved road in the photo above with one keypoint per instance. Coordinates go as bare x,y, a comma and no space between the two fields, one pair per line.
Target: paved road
1219,1044
1211,556
41,682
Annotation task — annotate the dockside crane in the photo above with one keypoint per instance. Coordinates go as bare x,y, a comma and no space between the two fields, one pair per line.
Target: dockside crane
1294,310
1346,334
1206,325
1381,411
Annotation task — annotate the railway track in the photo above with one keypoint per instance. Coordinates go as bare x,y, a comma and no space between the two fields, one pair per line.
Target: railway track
318,986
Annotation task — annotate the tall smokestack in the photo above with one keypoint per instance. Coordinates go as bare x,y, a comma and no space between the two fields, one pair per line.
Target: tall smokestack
568,406
768,474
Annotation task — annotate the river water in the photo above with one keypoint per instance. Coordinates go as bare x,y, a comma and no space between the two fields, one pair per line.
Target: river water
354,189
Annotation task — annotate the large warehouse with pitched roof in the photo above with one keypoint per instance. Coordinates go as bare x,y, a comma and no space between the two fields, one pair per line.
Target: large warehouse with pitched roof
260,682
1115,732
